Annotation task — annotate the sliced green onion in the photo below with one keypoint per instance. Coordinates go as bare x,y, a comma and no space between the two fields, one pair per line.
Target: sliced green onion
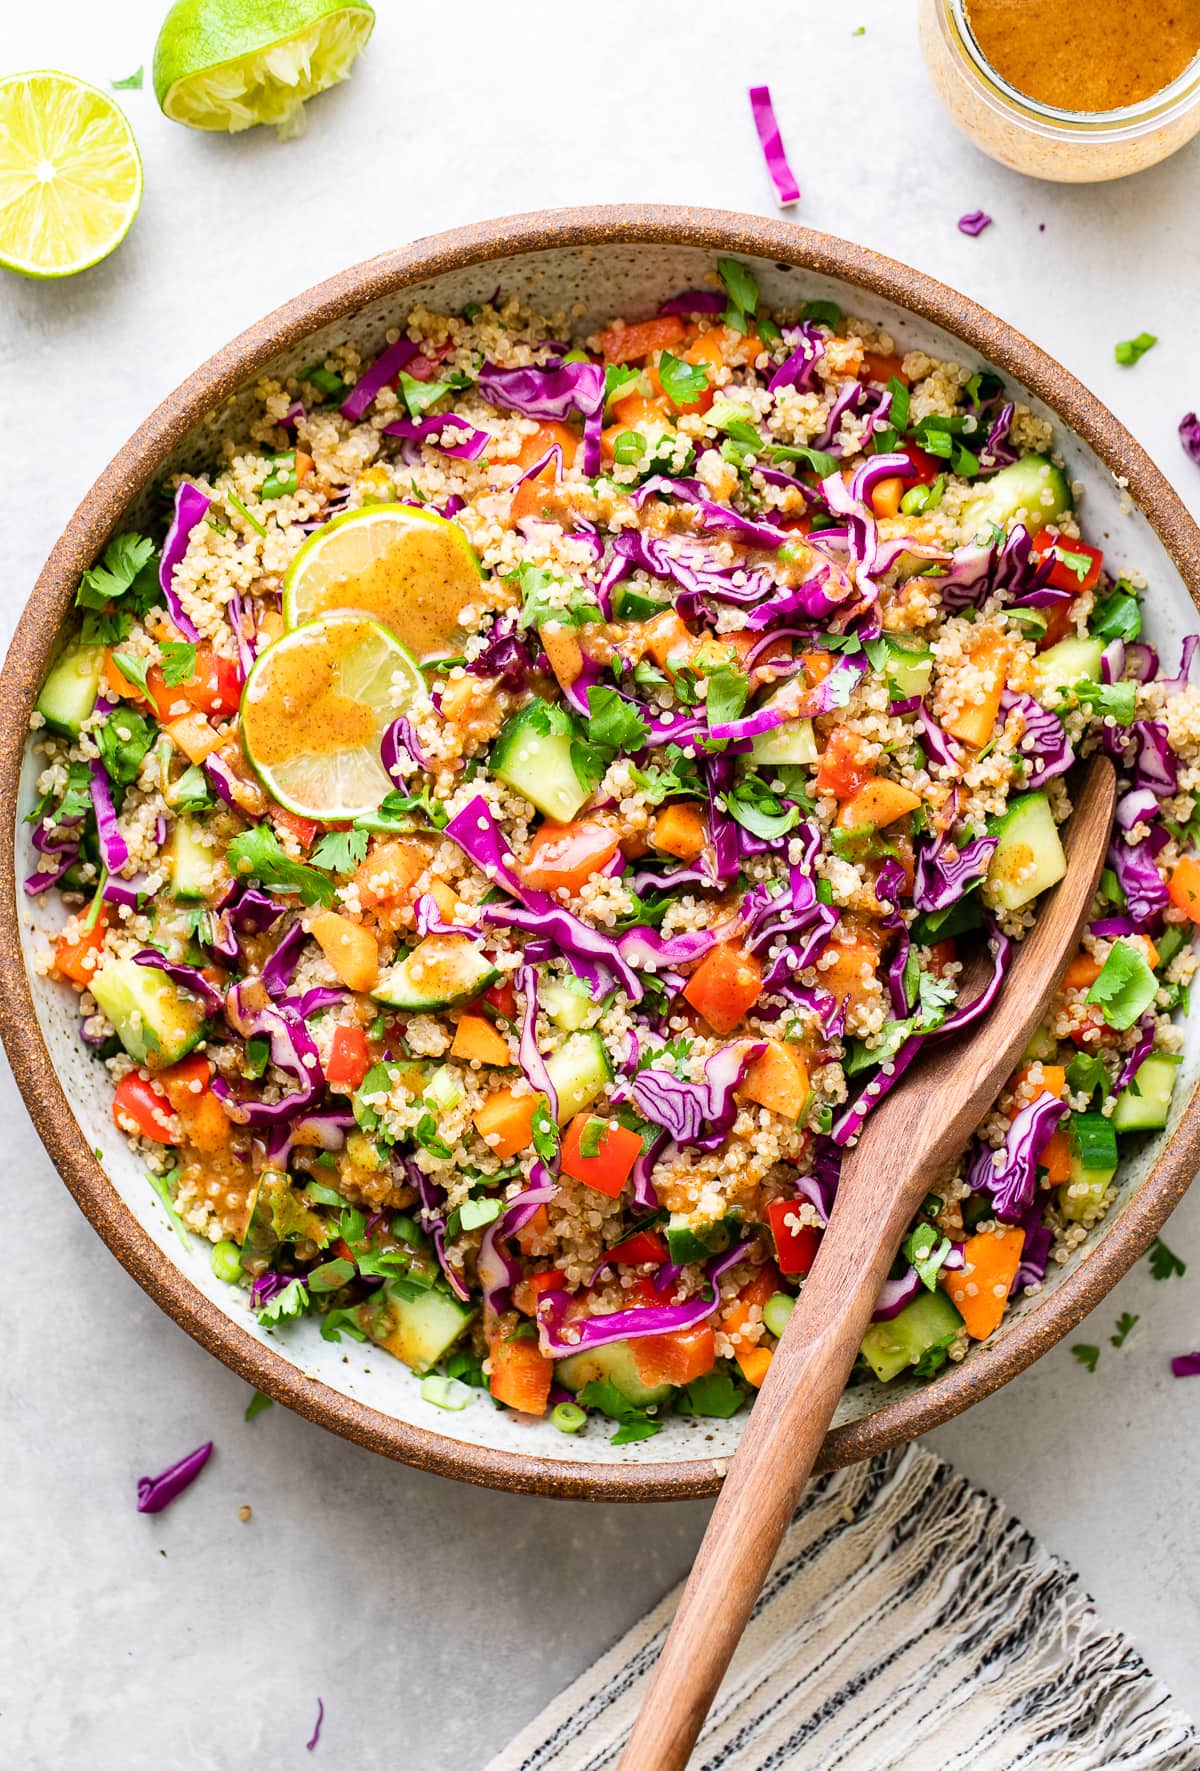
776,1311
445,1392
568,1417
405,1230
226,1261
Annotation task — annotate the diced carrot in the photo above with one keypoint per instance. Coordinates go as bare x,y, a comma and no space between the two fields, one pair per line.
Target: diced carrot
844,765
1082,972
1056,1157
679,830
568,855
754,1363
351,950
194,736
876,803
979,1289
1184,887
304,466
563,650
752,1296
476,1040
1053,1080
77,960
876,367
117,683
855,962
668,641
610,1164
725,986
631,344
817,666
186,1085
675,1358
778,1080
724,346
389,873
505,1122
533,1238
521,1375
529,499
988,655
886,496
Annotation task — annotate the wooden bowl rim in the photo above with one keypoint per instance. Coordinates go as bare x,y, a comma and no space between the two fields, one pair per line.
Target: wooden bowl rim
340,298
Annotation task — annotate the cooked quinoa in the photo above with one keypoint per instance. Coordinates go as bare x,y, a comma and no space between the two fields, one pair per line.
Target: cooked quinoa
751,660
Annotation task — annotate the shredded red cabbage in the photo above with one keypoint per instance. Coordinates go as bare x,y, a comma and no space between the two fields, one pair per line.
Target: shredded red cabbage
496,1270
1189,435
1186,1364
974,223
556,393
157,1492
472,444
771,142
191,505
1044,742
799,366
695,301
943,872
313,1738
555,1325
1010,1173
697,1114
190,976
385,368
114,850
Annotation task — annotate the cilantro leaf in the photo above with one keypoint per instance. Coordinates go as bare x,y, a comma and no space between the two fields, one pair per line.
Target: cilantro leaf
1164,1264
679,775
293,1300
821,463
716,1395
426,1134
635,1423
726,696
132,668
419,396
751,803
123,741
619,379
397,812
613,722
257,854
631,1430
925,1250
1125,1323
340,851
257,1403
1086,1073
1117,699
125,557
542,600
825,313
545,1132
1126,987
1117,616
1087,1356
682,382
179,662
334,1322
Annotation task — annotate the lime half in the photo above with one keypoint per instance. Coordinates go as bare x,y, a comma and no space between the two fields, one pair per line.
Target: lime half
314,711
70,175
229,64
410,568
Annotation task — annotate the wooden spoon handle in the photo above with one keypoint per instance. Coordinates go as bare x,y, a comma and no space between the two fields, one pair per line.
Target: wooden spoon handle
778,1448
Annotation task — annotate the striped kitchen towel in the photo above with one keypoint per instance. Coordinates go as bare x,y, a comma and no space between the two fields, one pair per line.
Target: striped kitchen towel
909,1620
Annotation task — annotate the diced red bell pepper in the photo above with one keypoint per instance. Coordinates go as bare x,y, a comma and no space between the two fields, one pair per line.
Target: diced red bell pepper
349,1057
521,1375
303,829
533,1286
876,367
1076,565
138,1102
77,960
795,1244
215,685
928,466
844,765
502,998
617,1149
645,1248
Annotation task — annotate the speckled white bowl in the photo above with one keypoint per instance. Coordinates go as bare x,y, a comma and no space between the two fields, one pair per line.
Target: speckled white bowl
593,264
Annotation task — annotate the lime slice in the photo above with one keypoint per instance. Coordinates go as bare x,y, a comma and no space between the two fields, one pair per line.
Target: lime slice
229,64
314,711
412,569
70,175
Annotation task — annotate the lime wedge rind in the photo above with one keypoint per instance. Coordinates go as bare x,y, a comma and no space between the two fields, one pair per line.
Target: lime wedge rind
228,65
70,174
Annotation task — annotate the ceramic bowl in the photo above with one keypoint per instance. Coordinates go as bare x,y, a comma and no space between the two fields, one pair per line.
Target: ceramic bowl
594,263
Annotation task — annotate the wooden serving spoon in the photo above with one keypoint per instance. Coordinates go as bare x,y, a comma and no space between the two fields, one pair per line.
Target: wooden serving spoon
909,1140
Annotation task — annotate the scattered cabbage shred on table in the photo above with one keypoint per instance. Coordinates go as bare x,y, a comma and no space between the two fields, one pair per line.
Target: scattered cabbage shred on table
538,1072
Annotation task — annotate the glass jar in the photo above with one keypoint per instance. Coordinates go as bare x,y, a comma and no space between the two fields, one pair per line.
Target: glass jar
1078,147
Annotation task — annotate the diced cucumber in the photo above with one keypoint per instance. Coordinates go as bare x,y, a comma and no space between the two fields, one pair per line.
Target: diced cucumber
152,1017
569,1003
1144,1105
786,744
689,1242
440,971
1032,490
615,1362
279,1214
1029,857
631,603
1093,1142
1172,941
927,1324
192,860
532,755
1070,661
418,1330
69,691
1042,1048
580,1071
909,665
1079,1196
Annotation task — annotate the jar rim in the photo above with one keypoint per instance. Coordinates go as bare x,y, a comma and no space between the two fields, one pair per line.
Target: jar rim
1155,108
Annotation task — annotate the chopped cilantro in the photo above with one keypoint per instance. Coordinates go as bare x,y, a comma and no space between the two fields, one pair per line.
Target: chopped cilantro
1125,1322
257,854
925,1250
257,1403
426,1134
817,459
619,379
1163,1263
542,600
1086,1073
1126,987
340,851
683,383
726,694
1088,1356
825,313
179,662
1117,616
1117,699
132,668
544,1132
717,1395
130,83
125,557
334,1322
293,1300
123,741
751,803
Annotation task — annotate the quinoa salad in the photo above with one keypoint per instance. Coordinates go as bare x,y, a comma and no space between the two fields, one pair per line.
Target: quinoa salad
527,802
